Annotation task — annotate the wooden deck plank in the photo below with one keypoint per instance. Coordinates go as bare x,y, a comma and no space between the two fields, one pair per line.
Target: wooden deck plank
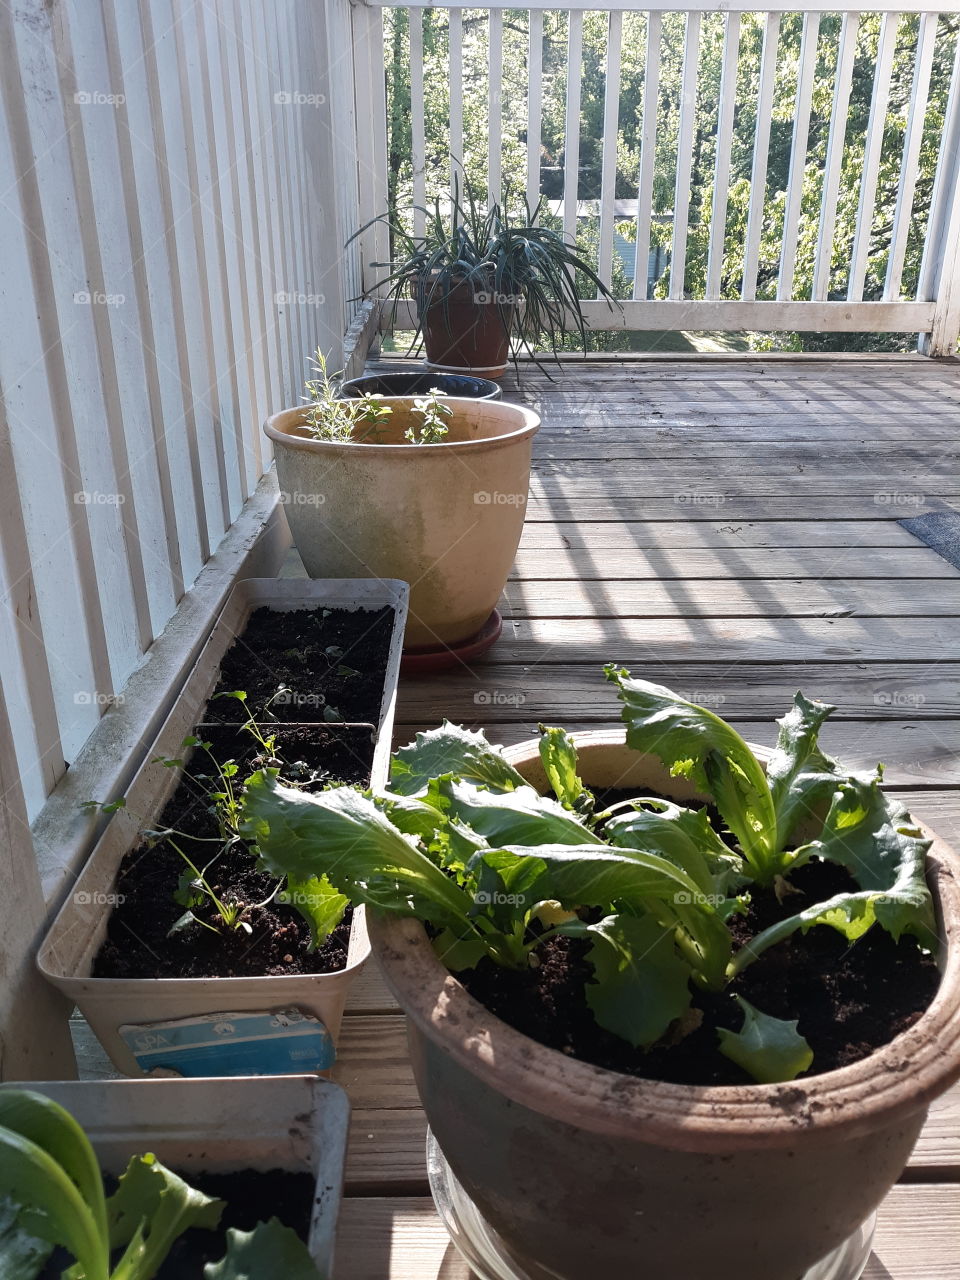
730,598
560,690
399,1238
564,504
617,564
669,535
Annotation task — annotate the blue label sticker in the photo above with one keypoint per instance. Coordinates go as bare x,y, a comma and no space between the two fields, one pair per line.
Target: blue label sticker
268,1043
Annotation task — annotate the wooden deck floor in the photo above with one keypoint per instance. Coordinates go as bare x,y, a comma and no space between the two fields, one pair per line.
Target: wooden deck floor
729,528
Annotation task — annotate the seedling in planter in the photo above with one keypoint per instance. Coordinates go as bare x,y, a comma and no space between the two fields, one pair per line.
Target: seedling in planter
51,1194
496,870
327,417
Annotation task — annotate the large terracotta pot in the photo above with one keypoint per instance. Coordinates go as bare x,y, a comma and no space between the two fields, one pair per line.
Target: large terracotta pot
467,330
585,1173
445,517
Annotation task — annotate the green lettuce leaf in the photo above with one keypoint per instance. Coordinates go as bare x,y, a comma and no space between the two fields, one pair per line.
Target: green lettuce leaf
149,1210
641,984
771,1050
269,1251
802,778
558,754
48,1167
318,902
871,835
343,835
451,749
695,744
521,816
683,835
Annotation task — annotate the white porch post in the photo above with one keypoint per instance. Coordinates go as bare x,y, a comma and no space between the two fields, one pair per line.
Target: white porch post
34,1031
940,272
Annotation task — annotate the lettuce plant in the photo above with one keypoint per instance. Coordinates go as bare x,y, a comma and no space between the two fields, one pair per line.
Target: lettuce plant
51,1194
462,842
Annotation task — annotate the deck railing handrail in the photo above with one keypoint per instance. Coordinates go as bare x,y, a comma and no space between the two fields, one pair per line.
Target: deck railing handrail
928,304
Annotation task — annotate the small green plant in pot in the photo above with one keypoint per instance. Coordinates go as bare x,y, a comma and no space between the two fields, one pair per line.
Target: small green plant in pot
635,925
485,275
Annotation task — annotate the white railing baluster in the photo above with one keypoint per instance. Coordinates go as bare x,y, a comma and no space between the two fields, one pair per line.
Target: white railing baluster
534,106
798,155
495,107
916,115
721,180
417,123
688,111
871,160
648,148
571,135
761,149
940,267
611,127
455,42
371,142
834,162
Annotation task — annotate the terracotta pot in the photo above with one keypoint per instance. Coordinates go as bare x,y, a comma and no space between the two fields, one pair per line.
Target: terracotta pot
466,331
445,517
585,1173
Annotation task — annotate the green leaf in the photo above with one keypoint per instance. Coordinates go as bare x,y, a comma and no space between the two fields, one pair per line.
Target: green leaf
149,1210
682,835
451,749
802,779
22,1255
459,953
52,1208
342,834
320,904
558,754
521,816
642,984
696,744
771,1050
869,834
269,1251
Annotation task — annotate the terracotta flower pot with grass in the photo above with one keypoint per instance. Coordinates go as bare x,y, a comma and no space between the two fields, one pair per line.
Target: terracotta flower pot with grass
376,500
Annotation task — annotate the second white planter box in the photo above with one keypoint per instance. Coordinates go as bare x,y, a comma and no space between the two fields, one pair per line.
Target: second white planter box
68,952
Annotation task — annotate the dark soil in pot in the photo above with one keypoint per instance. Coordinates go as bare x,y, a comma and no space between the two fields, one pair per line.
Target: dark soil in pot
137,943
332,659
252,1196
849,1000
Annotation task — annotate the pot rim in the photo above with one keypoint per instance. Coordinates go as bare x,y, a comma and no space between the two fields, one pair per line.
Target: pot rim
899,1079
275,425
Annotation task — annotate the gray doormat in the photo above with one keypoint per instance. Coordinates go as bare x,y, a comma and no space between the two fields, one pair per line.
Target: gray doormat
940,530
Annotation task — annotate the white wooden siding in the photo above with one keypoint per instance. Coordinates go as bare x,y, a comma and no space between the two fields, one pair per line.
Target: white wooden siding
176,185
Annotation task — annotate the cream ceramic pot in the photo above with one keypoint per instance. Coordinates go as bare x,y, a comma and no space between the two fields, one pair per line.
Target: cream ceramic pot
585,1173
446,517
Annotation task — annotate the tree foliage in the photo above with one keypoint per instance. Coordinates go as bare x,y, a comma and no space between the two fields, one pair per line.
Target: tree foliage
513,109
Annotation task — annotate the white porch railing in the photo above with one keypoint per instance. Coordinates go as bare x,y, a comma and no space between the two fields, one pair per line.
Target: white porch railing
737,290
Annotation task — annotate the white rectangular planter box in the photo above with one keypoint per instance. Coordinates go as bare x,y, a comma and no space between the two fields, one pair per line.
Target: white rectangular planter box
68,951
295,1123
